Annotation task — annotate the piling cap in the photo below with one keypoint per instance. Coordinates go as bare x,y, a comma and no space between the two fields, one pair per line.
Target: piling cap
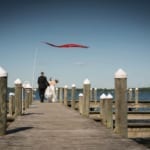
11,94
18,81
81,94
86,81
3,73
27,86
66,86
73,85
109,96
120,74
103,96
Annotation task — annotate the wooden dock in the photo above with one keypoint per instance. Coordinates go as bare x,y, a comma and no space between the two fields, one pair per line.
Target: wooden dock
52,126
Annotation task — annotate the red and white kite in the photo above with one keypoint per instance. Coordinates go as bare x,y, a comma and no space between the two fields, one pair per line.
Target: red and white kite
66,45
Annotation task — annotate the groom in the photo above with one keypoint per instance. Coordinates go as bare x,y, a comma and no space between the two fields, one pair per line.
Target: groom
42,85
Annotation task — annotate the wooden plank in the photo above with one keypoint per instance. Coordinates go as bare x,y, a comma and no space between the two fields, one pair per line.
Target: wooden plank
56,127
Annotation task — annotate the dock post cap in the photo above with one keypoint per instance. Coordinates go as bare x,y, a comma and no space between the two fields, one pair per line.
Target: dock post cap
11,94
103,96
109,96
27,86
17,81
86,81
73,85
81,94
120,74
3,73
66,86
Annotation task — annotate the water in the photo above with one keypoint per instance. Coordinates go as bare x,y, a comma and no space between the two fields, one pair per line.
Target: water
143,95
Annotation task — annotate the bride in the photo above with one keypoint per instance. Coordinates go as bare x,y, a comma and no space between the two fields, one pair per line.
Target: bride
50,92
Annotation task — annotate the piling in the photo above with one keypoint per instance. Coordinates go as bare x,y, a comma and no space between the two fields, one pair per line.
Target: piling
86,98
11,104
65,95
61,95
3,101
136,97
95,95
130,94
28,93
108,111
102,108
121,126
73,96
18,97
81,104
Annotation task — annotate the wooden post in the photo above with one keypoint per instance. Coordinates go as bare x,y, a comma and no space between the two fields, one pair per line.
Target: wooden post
108,111
86,93
73,96
18,97
30,96
61,94
102,108
57,94
95,95
91,94
3,102
81,104
28,93
121,123
11,104
130,94
66,95
136,97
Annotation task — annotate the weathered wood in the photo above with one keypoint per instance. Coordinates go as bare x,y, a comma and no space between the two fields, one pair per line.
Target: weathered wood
52,126
86,97
73,90
121,103
3,102
18,99
65,95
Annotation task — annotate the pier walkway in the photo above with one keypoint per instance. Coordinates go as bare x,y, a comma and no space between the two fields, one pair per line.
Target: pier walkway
52,126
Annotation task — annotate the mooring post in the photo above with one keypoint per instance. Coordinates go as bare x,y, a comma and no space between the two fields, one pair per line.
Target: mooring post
102,108
57,94
18,97
91,94
73,96
121,122
11,103
95,95
136,97
66,95
81,103
3,101
130,94
86,93
27,95
61,95
108,111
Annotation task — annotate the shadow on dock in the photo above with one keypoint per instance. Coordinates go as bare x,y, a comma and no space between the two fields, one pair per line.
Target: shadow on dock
11,131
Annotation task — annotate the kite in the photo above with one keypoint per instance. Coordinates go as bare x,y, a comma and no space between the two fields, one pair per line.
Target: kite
66,45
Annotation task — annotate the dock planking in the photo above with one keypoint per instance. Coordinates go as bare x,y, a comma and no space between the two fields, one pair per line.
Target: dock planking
52,126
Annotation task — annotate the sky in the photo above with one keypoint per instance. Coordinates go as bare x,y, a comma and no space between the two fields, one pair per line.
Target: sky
116,31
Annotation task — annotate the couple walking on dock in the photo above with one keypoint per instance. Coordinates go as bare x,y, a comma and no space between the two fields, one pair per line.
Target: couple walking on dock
47,88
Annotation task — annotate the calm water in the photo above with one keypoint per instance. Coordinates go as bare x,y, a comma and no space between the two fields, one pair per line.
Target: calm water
143,95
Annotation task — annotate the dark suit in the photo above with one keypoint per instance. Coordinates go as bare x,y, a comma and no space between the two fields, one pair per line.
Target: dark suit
42,85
